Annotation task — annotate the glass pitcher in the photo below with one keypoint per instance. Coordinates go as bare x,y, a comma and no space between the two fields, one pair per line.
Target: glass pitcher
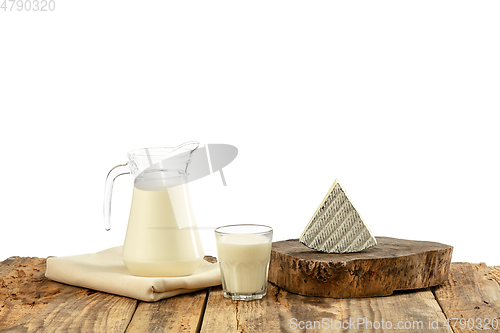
162,238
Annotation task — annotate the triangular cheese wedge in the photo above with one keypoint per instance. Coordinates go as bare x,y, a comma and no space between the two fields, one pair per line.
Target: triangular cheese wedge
336,226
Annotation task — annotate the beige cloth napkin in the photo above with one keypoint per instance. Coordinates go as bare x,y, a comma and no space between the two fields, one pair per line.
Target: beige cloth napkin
105,271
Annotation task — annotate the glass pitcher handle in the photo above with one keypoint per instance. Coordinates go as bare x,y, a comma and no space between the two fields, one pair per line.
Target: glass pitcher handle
121,169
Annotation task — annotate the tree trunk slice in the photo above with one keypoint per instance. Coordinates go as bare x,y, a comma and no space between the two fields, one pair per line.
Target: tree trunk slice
392,264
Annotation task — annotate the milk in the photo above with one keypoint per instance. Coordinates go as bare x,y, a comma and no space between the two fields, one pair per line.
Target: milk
244,262
161,239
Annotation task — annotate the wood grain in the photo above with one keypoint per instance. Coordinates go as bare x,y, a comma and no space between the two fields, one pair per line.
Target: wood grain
416,311
182,313
29,302
282,311
472,291
220,313
392,264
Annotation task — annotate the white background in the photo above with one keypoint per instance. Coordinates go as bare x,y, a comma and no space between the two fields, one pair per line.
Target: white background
399,100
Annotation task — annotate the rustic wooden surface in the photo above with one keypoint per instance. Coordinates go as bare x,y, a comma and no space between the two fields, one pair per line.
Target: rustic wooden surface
31,303
392,264
471,293
180,313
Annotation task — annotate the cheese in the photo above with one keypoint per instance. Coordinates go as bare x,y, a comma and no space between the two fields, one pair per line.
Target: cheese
336,226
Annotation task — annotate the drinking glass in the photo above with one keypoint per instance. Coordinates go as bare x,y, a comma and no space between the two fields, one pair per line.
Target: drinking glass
244,251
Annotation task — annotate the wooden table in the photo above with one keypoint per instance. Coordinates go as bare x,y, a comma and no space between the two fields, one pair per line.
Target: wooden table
29,302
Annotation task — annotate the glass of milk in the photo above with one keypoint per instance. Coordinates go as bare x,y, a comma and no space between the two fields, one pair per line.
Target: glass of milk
244,251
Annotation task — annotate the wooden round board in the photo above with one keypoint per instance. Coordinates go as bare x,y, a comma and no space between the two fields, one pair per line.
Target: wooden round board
392,264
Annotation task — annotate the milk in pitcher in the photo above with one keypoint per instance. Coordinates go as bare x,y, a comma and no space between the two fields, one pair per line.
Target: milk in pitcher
161,239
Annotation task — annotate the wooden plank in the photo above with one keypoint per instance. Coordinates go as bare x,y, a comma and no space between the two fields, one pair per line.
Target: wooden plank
282,311
416,311
182,313
471,294
220,313
392,264
493,274
29,302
